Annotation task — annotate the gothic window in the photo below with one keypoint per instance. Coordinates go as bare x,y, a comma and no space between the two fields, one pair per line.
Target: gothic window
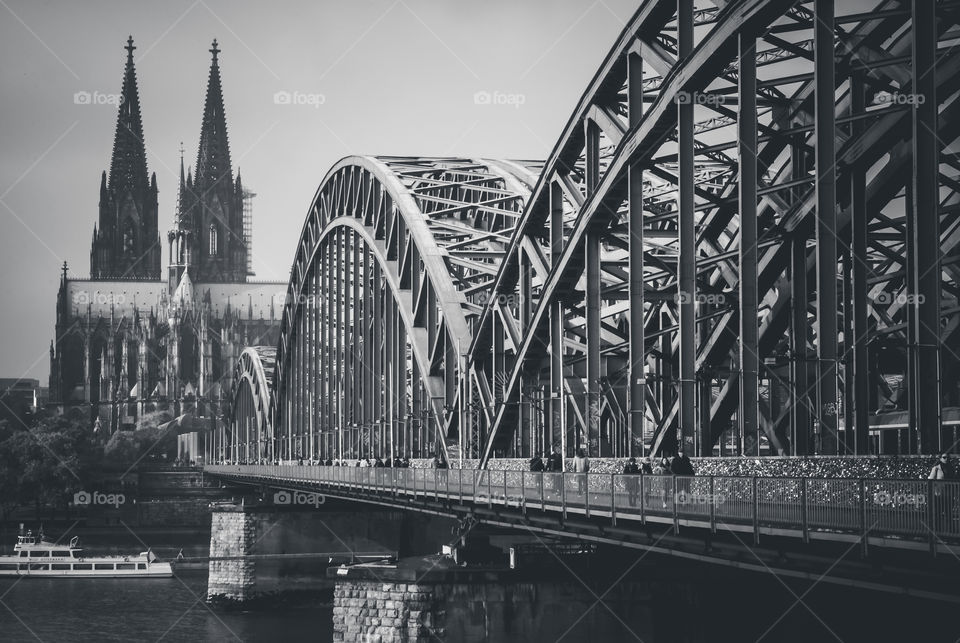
213,240
129,237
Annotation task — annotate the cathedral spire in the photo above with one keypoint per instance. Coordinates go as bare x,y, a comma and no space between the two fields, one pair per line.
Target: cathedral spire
181,203
213,157
128,166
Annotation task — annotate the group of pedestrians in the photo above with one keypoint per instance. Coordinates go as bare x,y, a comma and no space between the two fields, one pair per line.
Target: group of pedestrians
679,465
399,462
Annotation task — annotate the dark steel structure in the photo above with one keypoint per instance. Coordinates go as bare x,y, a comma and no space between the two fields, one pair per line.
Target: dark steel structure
745,241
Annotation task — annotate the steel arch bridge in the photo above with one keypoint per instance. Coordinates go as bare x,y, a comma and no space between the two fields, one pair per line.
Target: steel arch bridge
744,241
250,436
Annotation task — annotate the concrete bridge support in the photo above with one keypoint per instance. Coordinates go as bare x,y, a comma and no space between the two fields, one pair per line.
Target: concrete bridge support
258,552
431,599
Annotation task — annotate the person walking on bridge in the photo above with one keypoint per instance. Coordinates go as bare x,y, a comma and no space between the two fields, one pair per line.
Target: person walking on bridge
536,463
631,472
581,465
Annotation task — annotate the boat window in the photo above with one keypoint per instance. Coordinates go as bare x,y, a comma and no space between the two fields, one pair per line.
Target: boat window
103,566
126,566
60,566
57,553
141,565
24,554
39,566
8,566
77,566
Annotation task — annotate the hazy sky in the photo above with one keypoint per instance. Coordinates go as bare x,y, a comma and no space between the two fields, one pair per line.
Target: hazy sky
370,77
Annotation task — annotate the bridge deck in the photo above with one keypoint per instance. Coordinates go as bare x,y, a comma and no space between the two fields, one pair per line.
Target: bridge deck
915,514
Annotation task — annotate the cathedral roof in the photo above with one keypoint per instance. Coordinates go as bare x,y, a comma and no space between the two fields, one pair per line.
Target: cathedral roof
183,295
128,165
213,156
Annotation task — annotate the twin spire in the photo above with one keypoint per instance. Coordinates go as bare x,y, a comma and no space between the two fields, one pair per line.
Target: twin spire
128,165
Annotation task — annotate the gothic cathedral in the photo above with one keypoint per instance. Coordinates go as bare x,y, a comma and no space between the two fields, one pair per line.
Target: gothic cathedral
134,347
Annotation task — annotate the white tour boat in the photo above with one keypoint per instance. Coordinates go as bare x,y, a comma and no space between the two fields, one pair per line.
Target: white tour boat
42,559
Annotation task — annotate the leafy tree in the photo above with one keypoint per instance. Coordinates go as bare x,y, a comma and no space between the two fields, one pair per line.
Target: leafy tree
45,462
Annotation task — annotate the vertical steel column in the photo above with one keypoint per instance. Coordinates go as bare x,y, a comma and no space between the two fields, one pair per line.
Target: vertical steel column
311,304
825,131
527,434
389,384
368,417
329,419
638,381
799,303
687,263
556,321
861,271
849,444
378,352
749,331
347,308
926,250
337,268
357,347
592,301
400,379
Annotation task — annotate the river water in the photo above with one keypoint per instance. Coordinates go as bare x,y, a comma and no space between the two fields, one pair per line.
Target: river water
153,609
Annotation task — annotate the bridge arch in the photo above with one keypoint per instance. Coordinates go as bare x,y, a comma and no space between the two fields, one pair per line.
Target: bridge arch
395,260
250,437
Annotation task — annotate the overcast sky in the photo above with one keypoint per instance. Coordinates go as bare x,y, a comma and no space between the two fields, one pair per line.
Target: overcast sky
369,77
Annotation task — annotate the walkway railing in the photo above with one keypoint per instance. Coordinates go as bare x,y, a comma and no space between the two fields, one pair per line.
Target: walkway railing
896,511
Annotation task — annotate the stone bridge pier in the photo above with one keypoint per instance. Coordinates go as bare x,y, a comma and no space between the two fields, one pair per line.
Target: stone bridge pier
260,551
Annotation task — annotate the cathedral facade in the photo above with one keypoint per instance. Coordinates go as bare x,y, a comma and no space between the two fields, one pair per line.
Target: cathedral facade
132,343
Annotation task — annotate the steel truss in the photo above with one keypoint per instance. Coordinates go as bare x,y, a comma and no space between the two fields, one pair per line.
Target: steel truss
744,241
763,195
